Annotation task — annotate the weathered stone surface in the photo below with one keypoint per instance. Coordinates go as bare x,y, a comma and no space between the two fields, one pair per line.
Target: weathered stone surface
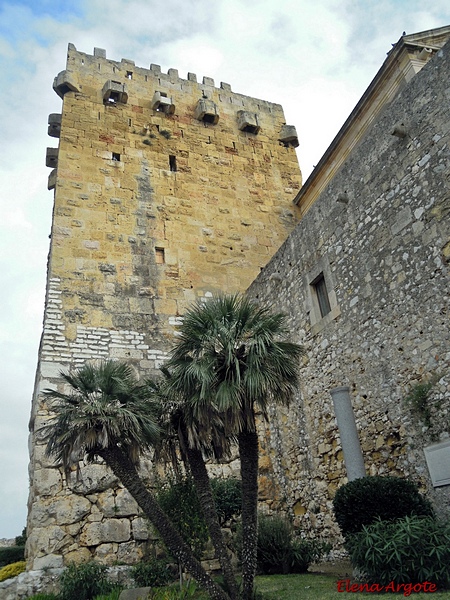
129,553
94,478
387,281
47,482
140,529
109,530
135,594
78,556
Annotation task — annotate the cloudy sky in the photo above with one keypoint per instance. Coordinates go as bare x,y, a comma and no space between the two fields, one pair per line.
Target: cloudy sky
315,58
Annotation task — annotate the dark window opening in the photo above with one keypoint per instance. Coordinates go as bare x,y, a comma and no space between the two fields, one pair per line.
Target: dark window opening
116,156
113,97
172,162
162,107
320,288
160,258
209,119
251,129
129,75
64,89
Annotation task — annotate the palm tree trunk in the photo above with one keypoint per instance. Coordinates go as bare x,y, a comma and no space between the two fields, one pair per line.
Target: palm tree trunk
248,452
126,472
206,498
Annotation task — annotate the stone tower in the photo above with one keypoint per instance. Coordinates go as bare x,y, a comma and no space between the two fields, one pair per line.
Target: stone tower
166,190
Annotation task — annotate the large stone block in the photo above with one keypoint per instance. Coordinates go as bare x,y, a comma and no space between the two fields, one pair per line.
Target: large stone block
93,478
47,482
110,530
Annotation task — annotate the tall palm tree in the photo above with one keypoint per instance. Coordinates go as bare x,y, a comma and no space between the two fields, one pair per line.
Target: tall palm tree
107,414
185,436
230,358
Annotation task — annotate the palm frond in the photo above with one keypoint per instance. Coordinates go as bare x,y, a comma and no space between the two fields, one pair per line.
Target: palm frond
105,407
231,356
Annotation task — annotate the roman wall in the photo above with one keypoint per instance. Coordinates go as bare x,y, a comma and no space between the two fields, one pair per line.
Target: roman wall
166,190
378,237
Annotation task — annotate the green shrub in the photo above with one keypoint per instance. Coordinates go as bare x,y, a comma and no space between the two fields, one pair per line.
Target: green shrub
274,545
227,497
362,501
409,550
188,591
11,554
12,570
22,538
154,573
279,550
114,595
180,502
84,582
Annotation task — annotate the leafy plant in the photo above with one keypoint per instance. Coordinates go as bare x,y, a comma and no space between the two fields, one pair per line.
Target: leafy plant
188,591
165,133
179,500
114,595
21,539
279,551
361,501
153,573
274,545
84,582
227,497
407,550
418,399
12,570
11,554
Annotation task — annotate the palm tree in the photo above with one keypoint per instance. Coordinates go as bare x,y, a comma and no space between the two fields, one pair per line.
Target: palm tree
230,359
185,436
107,414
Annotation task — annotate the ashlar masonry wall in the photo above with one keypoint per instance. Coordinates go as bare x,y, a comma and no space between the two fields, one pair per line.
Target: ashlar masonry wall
379,237
166,190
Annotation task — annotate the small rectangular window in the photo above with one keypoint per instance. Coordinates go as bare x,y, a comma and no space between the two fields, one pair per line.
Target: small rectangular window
172,162
129,74
116,156
159,256
320,288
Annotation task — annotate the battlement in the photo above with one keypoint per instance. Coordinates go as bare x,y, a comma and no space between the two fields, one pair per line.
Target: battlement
111,83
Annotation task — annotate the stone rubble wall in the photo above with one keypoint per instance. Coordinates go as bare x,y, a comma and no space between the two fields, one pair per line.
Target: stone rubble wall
385,259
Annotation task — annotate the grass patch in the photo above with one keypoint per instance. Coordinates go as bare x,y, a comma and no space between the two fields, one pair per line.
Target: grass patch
316,586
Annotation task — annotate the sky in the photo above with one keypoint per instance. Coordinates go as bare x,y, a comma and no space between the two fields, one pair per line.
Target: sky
314,58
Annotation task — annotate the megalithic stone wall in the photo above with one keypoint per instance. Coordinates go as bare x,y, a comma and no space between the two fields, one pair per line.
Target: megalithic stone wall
366,285
166,190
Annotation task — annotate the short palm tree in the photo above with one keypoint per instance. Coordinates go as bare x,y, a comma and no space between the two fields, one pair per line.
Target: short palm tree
230,358
184,436
107,414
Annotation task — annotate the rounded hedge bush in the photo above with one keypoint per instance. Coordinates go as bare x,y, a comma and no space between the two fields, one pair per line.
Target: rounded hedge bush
361,501
12,570
409,550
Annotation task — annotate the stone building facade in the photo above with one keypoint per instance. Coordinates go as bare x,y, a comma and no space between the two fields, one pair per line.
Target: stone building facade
169,190
166,190
365,281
